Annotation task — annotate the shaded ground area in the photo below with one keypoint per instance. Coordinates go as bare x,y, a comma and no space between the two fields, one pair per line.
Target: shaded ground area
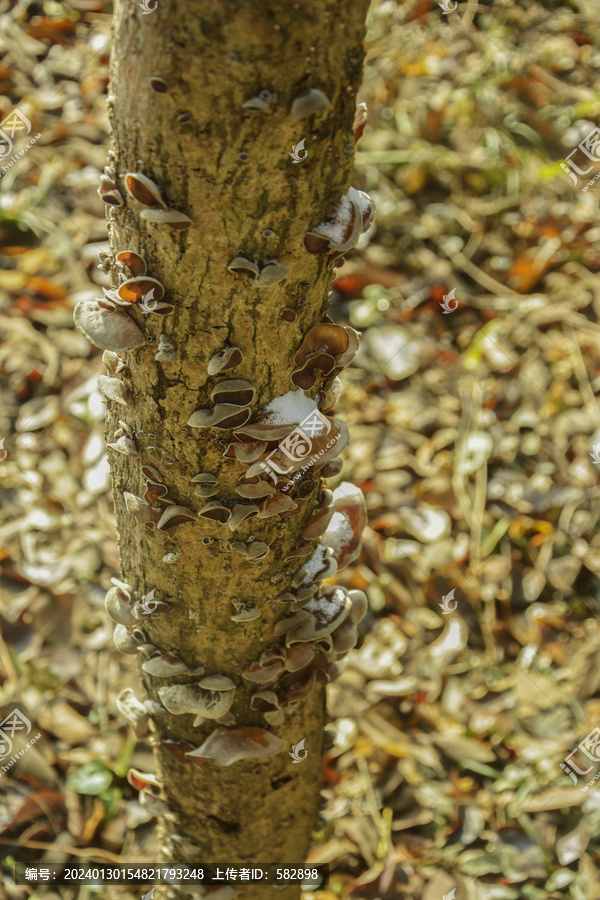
475,435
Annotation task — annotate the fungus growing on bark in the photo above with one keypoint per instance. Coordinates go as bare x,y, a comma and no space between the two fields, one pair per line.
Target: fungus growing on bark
253,490
267,702
242,266
113,389
240,512
246,615
155,805
234,391
226,746
211,698
317,523
142,780
272,272
321,565
171,217
129,259
298,656
325,347
332,395
112,197
206,484
144,190
124,445
224,415
159,84
262,101
326,612
135,289
215,510
135,712
275,505
353,215
166,350
143,513
360,120
267,668
226,358
173,516
109,329
165,665
344,533
124,640
302,550
309,102
157,492
119,607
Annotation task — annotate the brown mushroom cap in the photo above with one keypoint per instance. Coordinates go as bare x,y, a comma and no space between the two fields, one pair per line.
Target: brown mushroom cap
132,261
224,415
175,515
228,745
118,606
233,390
109,329
226,358
135,712
124,640
344,532
164,665
113,389
141,510
144,190
113,198
360,120
317,523
205,702
215,510
327,611
331,339
171,217
305,376
242,266
135,289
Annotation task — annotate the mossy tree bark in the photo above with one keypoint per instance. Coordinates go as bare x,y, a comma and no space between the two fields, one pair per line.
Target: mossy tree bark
229,169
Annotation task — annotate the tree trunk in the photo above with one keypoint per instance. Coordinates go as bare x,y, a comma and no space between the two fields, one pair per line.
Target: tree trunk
181,79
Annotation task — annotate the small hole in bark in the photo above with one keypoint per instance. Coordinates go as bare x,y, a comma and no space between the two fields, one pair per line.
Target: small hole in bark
276,783
227,827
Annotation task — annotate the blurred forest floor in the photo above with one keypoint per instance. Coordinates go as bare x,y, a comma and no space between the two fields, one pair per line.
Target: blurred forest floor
472,434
